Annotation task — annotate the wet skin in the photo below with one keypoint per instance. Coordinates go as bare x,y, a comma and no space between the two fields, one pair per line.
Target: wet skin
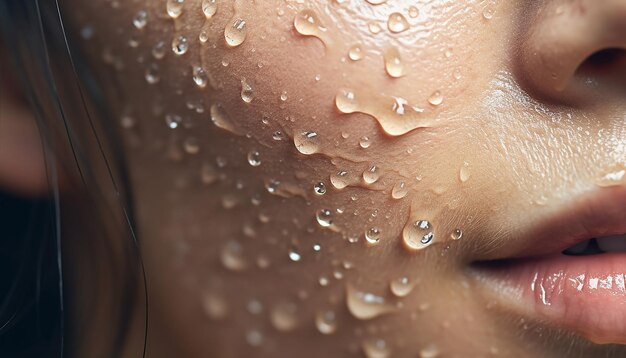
467,138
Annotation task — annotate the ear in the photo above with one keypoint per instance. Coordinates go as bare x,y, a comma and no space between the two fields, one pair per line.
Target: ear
22,168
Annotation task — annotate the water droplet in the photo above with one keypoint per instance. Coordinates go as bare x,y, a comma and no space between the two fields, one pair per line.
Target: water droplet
174,8
346,101
284,316
152,74
371,175
294,256
414,12
232,256
376,2
284,96
324,217
247,93
365,305
254,338
339,179
365,142
159,50
431,351
374,27
173,120
191,145
401,287
209,8
457,234
456,73
397,23
220,120
399,190
317,247
372,235
180,45
418,235
254,158
326,322
208,174
272,186
254,307
436,98
214,306
614,176
141,19
355,53
376,348
393,62
200,76
306,142
323,281
278,136
307,23
235,32
464,173
319,188
488,12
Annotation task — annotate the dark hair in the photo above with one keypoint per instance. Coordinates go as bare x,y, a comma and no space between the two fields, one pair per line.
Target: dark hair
49,308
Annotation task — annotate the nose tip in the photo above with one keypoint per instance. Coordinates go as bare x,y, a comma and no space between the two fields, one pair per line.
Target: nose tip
570,44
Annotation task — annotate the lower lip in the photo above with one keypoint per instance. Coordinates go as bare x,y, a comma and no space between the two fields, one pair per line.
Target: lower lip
585,294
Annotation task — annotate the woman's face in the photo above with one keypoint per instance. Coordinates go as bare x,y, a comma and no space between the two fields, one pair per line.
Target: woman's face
357,176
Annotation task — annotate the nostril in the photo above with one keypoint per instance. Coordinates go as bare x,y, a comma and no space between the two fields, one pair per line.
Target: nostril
607,66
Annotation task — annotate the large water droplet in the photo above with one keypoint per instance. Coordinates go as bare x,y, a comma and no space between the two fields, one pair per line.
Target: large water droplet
209,8
339,179
247,93
284,316
376,348
365,305
373,235
457,234
307,23
393,62
235,32
294,256
355,53
324,217
174,8
365,142
371,175
436,98
254,158
180,45
326,322
346,101
319,188
397,23
401,287
306,142
399,190
418,235
218,117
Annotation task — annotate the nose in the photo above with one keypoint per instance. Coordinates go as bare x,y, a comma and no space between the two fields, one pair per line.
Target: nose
571,49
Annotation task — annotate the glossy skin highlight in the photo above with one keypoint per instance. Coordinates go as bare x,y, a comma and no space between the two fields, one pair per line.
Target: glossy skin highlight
484,153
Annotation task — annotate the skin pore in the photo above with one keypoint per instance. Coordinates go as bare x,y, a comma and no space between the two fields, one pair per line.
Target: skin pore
316,177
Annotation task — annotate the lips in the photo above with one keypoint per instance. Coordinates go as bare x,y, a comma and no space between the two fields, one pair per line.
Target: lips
569,271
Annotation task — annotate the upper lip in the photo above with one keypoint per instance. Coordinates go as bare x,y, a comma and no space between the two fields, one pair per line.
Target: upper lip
599,213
